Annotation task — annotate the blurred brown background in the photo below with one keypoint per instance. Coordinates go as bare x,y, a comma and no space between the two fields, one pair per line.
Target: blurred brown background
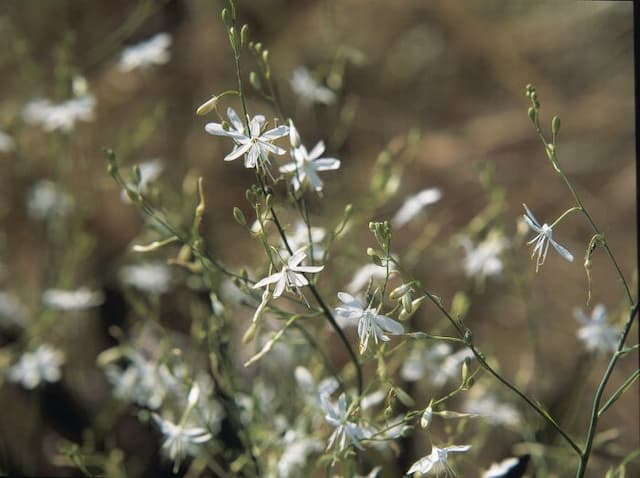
455,70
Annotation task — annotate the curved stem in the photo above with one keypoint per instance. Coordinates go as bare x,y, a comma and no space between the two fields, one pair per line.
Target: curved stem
593,423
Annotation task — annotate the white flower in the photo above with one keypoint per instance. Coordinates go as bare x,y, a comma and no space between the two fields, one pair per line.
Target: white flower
543,239
12,311
307,164
180,440
78,299
483,260
312,390
495,412
41,365
299,238
338,417
596,333
291,274
297,449
154,51
7,144
256,146
62,116
368,271
414,204
153,277
308,89
436,462
149,172
370,322
439,363
46,200
140,381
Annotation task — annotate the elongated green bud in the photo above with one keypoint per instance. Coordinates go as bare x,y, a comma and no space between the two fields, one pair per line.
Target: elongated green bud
244,34
207,106
238,215
555,125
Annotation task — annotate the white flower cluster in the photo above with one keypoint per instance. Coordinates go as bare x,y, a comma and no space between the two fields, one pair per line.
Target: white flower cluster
41,365
59,116
151,52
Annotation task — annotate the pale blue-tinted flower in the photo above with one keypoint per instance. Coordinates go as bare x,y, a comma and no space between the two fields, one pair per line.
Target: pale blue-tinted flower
413,205
82,298
493,411
437,461
149,171
141,381
299,238
34,368
62,116
543,239
291,275
596,333
483,260
437,363
370,323
311,389
308,89
307,164
256,146
46,200
152,277
150,52
345,431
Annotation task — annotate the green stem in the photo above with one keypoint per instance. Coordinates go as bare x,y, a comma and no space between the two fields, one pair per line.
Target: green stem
593,423
618,393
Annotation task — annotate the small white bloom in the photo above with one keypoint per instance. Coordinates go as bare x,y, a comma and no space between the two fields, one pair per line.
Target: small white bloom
297,449
256,146
46,200
543,239
369,271
291,275
78,299
438,363
308,89
507,467
12,311
154,51
596,333
437,461
414,204
149,172
494,411
41,365
299,238
314,391
180,440
7,144
483,260
152,277
306,166
141,381
370,322
62,116
345,430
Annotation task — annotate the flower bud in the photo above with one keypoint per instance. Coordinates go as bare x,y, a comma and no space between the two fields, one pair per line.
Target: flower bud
254,81
244,34
532,114
400,291
425,419
265,56
207,106
226,17
238,215
294,137
555,125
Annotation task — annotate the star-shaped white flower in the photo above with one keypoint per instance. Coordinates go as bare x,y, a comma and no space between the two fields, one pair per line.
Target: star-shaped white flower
436,462
338,417
414,204
543,239
596,333
256,146
291,274
154,51
483,260
308,89
307,164
369,321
